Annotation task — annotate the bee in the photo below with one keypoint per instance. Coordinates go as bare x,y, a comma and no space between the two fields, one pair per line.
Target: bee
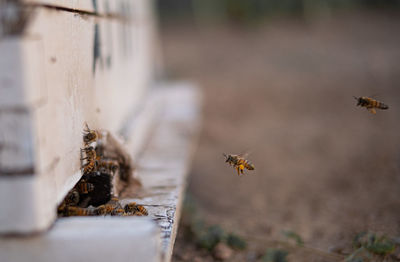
89,167
90,153
118,212
370,104
79,211
113,207
72,199
84,187
89,135
109,166
135,209
90,158
104,209
238,162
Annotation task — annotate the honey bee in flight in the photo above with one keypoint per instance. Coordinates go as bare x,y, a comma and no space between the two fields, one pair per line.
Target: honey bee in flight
90,135
370,104
238,162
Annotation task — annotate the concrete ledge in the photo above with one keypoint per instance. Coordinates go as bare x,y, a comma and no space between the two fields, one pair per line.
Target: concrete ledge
87,239
163,165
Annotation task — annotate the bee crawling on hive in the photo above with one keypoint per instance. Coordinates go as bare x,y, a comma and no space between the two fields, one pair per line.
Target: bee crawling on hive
72,199
370,104
135,209
114,208
90,135
84,187
90,158
238,162
79,211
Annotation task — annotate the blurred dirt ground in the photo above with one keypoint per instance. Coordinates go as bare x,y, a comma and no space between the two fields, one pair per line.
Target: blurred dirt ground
283,91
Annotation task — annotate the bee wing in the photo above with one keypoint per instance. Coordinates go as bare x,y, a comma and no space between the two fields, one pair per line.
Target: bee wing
245,154
86,128
374,96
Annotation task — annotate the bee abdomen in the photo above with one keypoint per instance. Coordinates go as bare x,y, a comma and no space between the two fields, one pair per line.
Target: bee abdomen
250,166
383,106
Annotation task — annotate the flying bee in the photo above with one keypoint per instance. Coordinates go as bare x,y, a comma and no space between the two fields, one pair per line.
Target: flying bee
90,135
238,162
370,104
84,187
135,209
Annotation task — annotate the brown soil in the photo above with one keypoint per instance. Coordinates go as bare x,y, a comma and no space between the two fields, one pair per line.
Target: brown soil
283,91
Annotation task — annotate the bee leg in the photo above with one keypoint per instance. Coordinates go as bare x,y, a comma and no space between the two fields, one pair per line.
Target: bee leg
241,168
237,169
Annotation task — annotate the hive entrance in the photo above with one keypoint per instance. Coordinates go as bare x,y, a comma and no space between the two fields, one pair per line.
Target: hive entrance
106,170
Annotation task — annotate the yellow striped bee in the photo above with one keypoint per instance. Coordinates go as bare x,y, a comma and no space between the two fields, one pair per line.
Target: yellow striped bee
84,187
135,209
370,104
238,162
79,211
72,199
90,158
112,207
89,135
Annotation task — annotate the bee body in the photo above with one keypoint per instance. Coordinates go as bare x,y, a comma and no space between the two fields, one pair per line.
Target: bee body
89,167
79,211
90,158
370,104
89,135
84,187
239,163
135,209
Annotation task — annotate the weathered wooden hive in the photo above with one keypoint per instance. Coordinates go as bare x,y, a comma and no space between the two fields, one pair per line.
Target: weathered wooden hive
67,63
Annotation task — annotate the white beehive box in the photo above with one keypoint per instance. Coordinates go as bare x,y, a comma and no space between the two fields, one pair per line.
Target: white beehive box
70,62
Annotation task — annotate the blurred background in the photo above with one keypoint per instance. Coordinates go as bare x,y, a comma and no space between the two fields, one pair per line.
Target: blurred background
278,79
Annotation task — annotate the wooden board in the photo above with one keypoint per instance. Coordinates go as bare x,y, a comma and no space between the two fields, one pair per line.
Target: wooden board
67,68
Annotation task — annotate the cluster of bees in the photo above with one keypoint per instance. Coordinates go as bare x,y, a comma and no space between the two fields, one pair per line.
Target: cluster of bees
92,195
240,163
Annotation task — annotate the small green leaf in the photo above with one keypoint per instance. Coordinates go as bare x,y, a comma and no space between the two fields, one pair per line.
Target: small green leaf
209,238
275,255
235,242
293,235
